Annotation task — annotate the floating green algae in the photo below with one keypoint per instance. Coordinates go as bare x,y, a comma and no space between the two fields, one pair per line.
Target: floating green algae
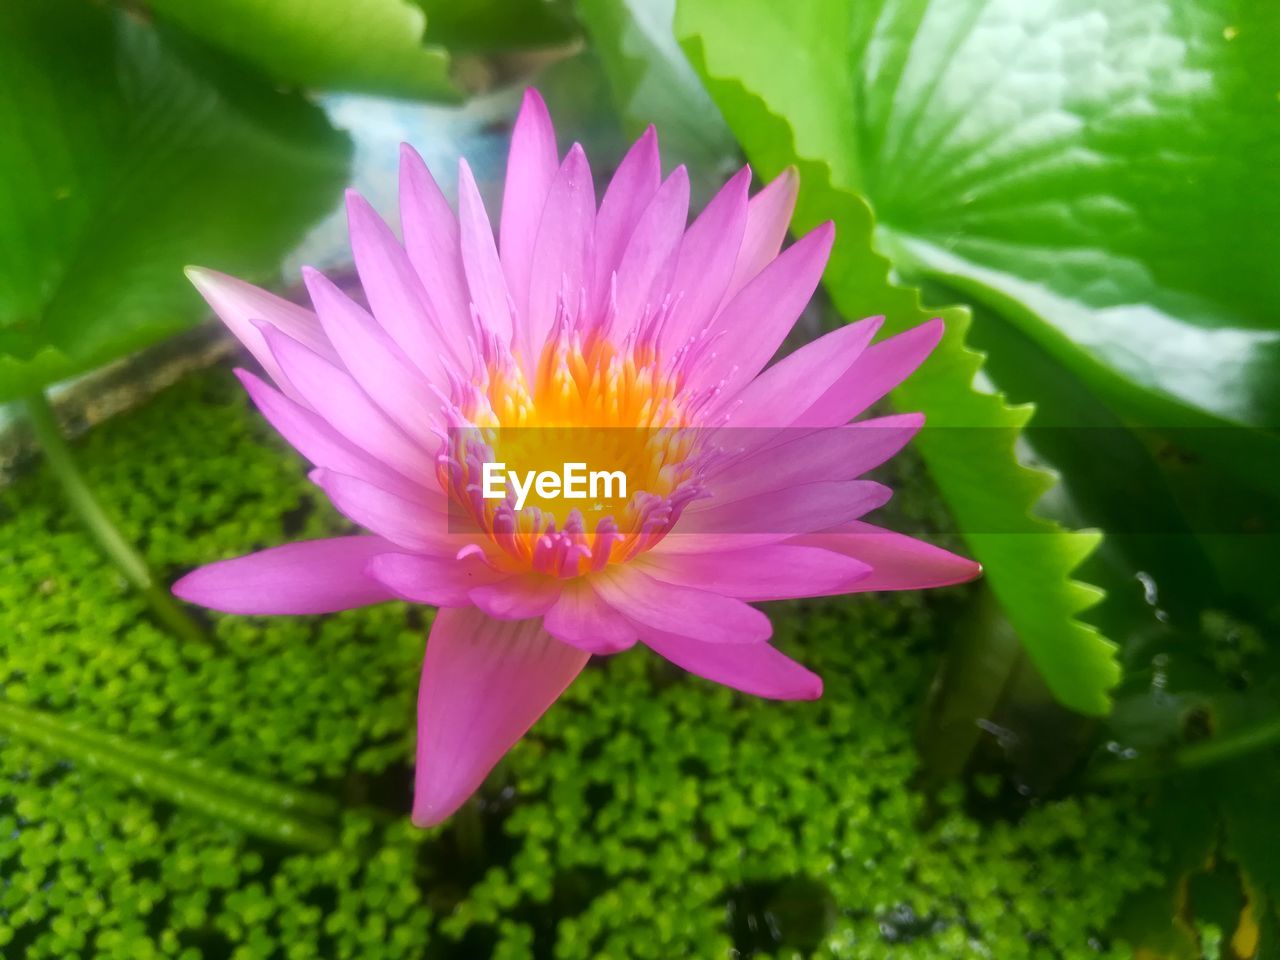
650,814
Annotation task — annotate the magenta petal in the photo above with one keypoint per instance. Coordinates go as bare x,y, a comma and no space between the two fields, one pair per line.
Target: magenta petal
806,456
432,241
440,581
646,268
754,323
485,280
755,668
311,576
393,289
768,217
770,572
484,684
335,395
518,598
242,306
897,562
562,256
531,166
581,618
420,526
628,194
323,446
792,385
373,358
880,368
680,610
707,257
792,510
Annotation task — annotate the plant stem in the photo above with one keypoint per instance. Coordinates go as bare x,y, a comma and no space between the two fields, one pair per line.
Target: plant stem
44,424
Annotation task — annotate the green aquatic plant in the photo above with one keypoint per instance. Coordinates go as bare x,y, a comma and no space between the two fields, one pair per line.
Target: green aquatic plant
655,815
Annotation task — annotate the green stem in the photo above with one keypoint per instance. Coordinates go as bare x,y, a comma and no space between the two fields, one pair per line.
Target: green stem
1204,753
44,425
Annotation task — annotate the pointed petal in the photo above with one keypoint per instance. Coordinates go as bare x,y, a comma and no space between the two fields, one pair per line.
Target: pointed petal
311,576
518,598
484,684
707,257
373,359
335,395
531,166
646,268
432,241
830,453
415,525
897,562
681,610
754,323
439,581
755,668
881,368
393,289
579,617
792,385
321,444
562,256
768,217
485,282
629,193
771,572
773,517
242,306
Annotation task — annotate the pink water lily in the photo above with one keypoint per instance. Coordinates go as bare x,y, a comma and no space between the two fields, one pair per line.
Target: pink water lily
580,316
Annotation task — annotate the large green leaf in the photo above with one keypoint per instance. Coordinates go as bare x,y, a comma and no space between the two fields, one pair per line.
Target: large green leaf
128,153
374,45
784,77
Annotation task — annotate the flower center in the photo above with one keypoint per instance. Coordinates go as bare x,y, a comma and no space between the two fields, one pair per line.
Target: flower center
611,408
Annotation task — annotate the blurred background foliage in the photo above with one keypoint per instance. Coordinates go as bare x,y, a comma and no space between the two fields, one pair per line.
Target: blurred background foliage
1087,192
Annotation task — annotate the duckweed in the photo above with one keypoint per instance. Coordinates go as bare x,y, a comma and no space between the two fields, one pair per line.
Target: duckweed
650,814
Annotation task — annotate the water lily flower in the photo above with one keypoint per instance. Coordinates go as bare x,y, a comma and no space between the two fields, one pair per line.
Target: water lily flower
616,315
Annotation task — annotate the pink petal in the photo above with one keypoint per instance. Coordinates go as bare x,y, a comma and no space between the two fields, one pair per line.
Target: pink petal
792,385
681,610
562,256
581,618
415,525
803,456
485,281
336,396
754,323
768,217
755,668
242,306
484,684
311,576
898,562
518,598
792,510
393,289
440,581
881,368
373,359
707,257
646,268
628,194
323,446
771,572
432,241
531,166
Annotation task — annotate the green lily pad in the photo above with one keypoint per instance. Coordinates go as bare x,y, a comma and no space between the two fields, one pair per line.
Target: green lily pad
130,151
